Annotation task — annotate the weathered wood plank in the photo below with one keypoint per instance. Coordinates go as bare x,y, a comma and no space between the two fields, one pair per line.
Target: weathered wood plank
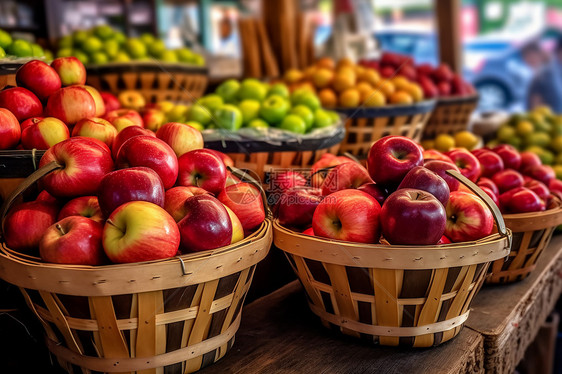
280,335
509,316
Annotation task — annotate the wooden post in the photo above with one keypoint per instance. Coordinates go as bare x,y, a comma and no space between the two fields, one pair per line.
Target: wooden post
448,27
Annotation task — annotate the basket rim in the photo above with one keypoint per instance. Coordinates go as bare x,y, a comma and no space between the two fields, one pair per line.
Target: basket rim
394,110
145,66
490,248
532,221
452,100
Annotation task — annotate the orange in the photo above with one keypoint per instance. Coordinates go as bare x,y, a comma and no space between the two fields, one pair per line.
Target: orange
374,98
323,77
386,87
359,70
328,98
350,98
364,89
309,72
345,78
326,62
346,61
415,91
400,82
307,86
293,76
370,76
401,97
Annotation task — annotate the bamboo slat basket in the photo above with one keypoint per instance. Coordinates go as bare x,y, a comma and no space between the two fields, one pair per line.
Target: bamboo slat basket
393,295
364,125
8,74
531,234
156,81
175,315
451,115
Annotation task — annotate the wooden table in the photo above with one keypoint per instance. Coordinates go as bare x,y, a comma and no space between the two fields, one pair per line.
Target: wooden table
509,316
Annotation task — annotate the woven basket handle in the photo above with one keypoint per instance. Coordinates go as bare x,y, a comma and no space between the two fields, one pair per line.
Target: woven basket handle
247,177
502,230
28,182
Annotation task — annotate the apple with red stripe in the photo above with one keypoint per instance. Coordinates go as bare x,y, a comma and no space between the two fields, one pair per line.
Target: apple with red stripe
71,104
21,102
123,118
10,130
43,133
96,128
39,78
70,70
85,206
181,137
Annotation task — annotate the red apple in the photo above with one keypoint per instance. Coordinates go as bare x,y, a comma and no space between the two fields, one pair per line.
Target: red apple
96,128
543,173
206,224
391,158
440,168
150,152
174,199
98,100
153,118
202,168
131,184
491,193
84,163
21,102
296,206
110,101
29,122
539,188
309,231
490,162
70,70
224,157
85,206
555,185
123,118
181,137
39,78
443,73
46,197
345,176
432,154
424,179
378,192
429,88
529,160
71,104
510,156
44,133
140,231
26,223
325,161
486,182
468,218
127,133
444,88
246,202
349,215
10,131
74,240
467,163
507,180
281,181
444,240
521,200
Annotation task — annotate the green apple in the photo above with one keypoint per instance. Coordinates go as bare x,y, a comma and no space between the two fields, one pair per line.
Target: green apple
228,117
305,113
5,39
539,139
274,109
20,48
228,90
48,55
120,38
2,52
258,123
79,37
211,102
169,56
64,52
135,48
250,110
157,48
92,45
294,124
322,119
200,114
198,60
99,58
104,32
184,55
252,89
111,48
334,116
307,98
147,38
178,113
196,125
81,56
122,57
279,89
37,50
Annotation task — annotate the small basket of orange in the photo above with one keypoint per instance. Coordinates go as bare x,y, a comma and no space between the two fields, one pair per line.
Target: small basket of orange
375,107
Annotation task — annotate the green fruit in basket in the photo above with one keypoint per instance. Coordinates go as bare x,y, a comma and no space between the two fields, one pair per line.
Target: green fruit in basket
228,117
211,102
294,124
111,48
156,48
515,141
65,52
184,55
79,37
37,50
250,110
5,39
2,53
65,42
539,139
178,113
558,171
196,125
99,58
322,119
305,97
258,123
228,90
305,113
81,56
274,109
334,115
252,89
199,113
169,56
119,37
48,55
546,156
104,32
198,60
135,48
147,38
543,126
280,89
121,57
92,45
556,144
20,48
524,128
505,133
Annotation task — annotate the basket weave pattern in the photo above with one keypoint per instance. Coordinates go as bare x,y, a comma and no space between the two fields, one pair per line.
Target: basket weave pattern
450,116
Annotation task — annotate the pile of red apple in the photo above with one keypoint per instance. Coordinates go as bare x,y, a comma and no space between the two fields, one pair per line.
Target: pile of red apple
143,204
437,81
400,199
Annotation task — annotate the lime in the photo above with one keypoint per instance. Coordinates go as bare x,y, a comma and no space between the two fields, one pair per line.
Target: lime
294,124
228,90
505,133
111,48
79,37
184,55
147,39
122,57
99,58
169,56
200,114
157,48
104,32
305,113
92,45
37,50
305,97
135,48
322,118
211,102
64,52
524,128
2,53
258,123
252,89
250,110
334,116
81,56
280,89
5,39
20,48
229,117
65,42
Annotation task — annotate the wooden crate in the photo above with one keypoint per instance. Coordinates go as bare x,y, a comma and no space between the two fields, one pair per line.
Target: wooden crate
451,115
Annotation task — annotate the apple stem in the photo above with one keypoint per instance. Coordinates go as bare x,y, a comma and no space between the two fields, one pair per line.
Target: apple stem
112,224
61,230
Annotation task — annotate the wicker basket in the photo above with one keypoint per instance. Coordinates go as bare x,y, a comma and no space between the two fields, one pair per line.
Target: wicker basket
451,115
392,295
156,81
364,126
531,234
175,315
